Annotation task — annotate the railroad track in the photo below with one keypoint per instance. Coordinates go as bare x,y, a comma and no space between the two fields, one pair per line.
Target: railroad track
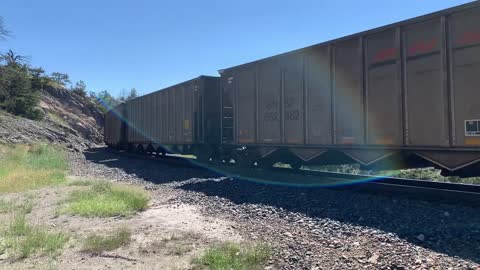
444,192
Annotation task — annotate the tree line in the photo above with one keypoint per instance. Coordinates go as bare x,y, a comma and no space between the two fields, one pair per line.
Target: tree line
21,85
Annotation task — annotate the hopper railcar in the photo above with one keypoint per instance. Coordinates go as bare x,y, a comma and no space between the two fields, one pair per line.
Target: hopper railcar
184,118
396,95
401,95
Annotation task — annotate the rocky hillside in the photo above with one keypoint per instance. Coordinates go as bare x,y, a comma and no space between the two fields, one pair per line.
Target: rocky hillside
70,119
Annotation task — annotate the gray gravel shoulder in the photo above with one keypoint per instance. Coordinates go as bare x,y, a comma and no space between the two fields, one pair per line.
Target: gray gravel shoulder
310,228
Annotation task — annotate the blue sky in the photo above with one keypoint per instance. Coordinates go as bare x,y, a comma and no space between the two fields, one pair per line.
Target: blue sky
149,45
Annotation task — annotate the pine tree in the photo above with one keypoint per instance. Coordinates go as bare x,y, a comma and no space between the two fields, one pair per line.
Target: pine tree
80,88
16,93
133,94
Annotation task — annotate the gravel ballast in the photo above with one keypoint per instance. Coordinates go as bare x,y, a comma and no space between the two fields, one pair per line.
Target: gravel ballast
309,228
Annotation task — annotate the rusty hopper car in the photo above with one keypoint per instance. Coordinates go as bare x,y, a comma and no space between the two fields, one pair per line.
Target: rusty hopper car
406,91
184,118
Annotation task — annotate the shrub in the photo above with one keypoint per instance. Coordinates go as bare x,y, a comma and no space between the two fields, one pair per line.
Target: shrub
80,89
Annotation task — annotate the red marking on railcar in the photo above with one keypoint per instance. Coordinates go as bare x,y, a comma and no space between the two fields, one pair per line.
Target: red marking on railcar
385,54
468,38
424,46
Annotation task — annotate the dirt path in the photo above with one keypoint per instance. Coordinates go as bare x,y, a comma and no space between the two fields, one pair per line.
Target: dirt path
192,208
311,228
165,236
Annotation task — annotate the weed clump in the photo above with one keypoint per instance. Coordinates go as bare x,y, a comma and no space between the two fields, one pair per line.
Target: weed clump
96,244
105,199
22,240
234,256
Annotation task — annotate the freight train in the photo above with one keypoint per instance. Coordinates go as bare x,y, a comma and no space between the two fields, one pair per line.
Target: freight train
402,95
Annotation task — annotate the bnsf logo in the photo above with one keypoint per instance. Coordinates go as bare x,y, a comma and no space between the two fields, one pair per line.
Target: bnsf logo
422,46
385,54
468,38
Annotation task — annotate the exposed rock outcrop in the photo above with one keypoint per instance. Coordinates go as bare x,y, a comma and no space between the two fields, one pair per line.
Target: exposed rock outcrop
70,119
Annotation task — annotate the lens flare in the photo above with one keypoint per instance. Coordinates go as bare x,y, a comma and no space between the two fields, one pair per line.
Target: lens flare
348,99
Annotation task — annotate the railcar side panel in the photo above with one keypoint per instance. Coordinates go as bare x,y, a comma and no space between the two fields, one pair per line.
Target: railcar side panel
165,115
117,131
159,117
227,88
465,59
293,100
198,115
245,81
348,93
383,93
134,121
172,115
148,113
269,103
138,121
425,84
141,120
128,119
179,99
154,118
211,91
318,96
188,111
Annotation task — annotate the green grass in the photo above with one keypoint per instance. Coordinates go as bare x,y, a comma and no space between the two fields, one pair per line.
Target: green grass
232,256
81,183
22,240
105,199
25,167
96,244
